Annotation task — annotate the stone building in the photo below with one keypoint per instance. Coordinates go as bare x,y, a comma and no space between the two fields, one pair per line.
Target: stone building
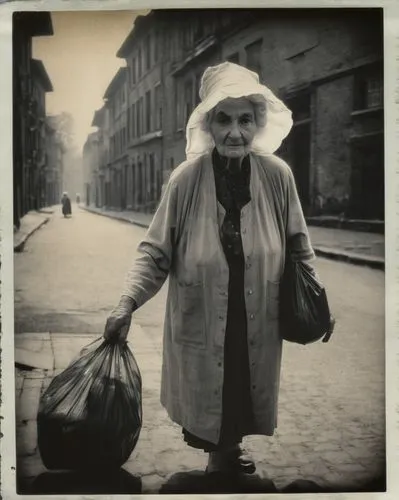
103,178
192,42
115,182
30,83
325,64
90,164
55,150
41,84
142,50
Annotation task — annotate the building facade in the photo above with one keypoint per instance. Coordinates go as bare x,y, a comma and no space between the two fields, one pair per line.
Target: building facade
325,64
112,126
192,42
55,151
30,83
143,52
90,163
102,179
328,68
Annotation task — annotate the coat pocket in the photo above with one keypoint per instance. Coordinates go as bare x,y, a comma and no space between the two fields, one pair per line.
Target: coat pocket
190,324
273,300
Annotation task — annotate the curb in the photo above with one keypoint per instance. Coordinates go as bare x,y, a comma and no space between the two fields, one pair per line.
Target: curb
351,258
18,247
356,225
120,218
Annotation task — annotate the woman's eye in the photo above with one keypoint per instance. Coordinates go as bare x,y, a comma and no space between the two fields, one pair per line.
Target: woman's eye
246,120
223,120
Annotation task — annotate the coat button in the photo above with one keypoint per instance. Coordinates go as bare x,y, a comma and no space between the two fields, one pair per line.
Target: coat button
252,316
250,291
219,364
254,387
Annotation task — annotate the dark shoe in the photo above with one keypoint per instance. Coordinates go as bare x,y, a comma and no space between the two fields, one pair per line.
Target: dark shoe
239,461
234,462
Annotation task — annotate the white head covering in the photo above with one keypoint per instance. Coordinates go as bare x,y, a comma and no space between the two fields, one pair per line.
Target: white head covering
231,80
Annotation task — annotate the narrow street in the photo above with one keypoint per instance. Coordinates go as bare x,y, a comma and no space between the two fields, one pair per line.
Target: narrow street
331,412
71,273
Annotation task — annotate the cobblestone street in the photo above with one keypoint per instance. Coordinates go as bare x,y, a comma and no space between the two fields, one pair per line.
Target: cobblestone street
331,412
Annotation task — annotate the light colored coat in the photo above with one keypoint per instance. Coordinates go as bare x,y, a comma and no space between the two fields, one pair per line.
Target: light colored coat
183,243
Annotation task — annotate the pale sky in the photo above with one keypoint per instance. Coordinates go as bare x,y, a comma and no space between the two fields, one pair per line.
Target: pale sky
80,60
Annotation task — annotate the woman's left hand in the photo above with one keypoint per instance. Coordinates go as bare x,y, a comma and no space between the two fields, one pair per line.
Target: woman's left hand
118,323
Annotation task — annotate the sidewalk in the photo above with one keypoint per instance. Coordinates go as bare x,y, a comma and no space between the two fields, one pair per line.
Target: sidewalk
340,244
162,462
30,223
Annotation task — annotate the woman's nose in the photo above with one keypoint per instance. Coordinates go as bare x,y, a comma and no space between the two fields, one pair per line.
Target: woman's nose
235,132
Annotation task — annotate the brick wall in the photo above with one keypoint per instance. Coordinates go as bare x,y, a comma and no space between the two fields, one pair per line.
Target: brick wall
331,159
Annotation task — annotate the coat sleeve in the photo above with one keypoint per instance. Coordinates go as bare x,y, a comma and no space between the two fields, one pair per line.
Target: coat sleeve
298,239
151,268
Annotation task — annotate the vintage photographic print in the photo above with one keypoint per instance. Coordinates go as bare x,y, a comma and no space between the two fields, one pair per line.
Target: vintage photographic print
199,251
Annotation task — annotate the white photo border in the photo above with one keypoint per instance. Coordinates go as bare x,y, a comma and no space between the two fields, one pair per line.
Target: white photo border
391,107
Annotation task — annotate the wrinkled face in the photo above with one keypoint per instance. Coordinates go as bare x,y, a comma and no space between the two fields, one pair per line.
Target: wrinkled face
233,127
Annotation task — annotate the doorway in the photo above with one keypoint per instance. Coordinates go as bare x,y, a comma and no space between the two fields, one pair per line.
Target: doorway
367,178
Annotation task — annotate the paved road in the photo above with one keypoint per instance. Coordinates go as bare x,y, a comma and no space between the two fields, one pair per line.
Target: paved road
332,396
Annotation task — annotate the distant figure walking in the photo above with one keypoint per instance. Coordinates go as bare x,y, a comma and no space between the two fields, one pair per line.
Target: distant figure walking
77,198
66,205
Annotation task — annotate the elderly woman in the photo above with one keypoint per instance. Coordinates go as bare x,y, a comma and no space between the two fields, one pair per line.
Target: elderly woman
66,204
220,234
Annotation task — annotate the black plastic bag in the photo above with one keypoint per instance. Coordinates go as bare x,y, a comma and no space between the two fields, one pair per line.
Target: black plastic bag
91,414
304,311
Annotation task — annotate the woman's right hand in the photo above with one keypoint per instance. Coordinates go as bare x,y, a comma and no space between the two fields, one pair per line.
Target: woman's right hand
118,323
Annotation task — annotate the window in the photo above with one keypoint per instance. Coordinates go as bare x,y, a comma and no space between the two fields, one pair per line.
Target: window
152,177
197,89
158,108
129,124
133,119
139,106
300,106
140,63
166,42
253,53
374,97
133,70
188,100
156,46
148,111
234,58
179,104
368,91
148,52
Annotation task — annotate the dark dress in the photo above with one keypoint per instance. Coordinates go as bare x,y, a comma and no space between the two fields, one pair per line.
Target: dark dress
232,191
66,206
